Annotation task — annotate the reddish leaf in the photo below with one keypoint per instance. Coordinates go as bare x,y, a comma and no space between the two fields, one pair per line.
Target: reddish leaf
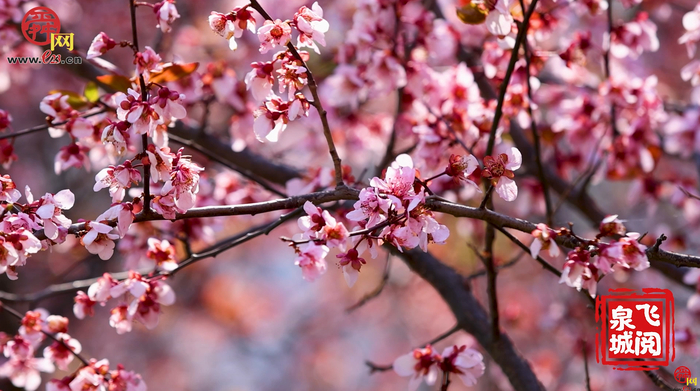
172,72
116,82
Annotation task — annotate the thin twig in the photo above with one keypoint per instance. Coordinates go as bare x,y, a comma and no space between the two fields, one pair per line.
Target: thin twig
491,283
19,316
522,245
377,291
606,62
506,265
519,39
39,128
377,367
211,155
316,103
585,366
445,381
444,335
144,99
656,379
535,132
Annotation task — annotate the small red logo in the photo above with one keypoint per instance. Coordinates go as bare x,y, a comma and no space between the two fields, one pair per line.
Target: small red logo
38,24
636,329
681,374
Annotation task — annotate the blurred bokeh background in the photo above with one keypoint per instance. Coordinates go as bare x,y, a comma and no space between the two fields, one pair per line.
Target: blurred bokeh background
246,320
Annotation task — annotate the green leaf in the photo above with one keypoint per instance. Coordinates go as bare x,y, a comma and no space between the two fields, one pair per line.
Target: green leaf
91,92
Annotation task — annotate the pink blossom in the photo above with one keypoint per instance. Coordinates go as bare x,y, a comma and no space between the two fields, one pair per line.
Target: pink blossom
56,324
121,319
500,171
56,106
50,211
461,167
98,239
544,240
691,72
499,21
421,364
165,206
398,183
123,213
135,285
91,377
232,25
83,305
291,76
271,119
312,26
351,263
183,181
146,307
19,348
370,206
72,155
161,161
335,234
311,260
272,34
579,272
132,109
116,135
691,22
401,237
633,254
634,37
162,253
100,45
166,12
260,80
168,104
147,61
385,73
59,353
33,323
117,179
101,291
315,221
8,190
299,107
59,385
122,380
19,245
25,373
611,226
467,364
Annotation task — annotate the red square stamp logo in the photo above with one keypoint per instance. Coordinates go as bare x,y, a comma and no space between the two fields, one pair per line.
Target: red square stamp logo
636,330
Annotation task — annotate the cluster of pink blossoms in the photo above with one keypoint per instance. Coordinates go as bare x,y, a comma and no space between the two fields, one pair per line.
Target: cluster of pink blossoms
275,113
19,222
390,210
592,259
141,299
425,365
96,376
23,368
